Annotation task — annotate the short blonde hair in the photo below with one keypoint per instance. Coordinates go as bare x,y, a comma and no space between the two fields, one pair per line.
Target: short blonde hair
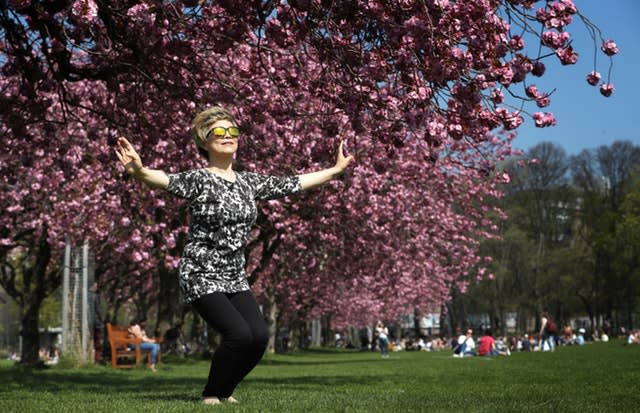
201,124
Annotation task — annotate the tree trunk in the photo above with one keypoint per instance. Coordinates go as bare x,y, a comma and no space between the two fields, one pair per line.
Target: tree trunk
327,336
270,313
168,298
588,308
36,286
447,314
416,322
30,335
299,334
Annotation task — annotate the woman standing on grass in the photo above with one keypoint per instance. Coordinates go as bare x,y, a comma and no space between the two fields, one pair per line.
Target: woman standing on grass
223,209
383,339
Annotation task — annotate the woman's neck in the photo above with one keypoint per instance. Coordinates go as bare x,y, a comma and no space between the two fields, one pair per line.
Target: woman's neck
221,165
222,168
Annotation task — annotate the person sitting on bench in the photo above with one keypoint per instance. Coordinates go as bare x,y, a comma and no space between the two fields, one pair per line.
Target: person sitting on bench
136,329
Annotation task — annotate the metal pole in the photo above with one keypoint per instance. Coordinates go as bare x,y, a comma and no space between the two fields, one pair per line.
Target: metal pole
85,298
65,295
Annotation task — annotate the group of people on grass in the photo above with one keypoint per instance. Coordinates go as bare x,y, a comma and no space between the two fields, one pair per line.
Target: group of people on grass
548,337
486,345
633,337
379,339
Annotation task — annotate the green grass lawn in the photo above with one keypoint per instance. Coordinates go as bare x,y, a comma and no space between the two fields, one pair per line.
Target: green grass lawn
600,377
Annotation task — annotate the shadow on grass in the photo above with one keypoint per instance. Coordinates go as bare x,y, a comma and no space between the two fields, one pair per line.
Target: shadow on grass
318,357
183,379
93,380
306,382
280,362
172,381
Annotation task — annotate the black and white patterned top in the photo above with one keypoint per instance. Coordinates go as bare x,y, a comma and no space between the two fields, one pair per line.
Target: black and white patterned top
223,213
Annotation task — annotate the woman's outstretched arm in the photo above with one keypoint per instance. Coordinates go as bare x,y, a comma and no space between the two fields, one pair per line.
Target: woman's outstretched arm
132,163
313,179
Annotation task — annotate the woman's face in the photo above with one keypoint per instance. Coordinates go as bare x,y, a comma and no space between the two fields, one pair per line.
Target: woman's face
221,139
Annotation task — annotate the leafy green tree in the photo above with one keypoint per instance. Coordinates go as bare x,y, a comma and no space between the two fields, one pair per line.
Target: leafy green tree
544,208
626,250
602,177
570,243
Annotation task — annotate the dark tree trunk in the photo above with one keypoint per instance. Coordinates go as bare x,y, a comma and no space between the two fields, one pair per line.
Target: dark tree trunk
30,335
37,284
416,323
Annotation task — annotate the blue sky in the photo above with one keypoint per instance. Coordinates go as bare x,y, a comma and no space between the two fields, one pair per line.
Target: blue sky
586,119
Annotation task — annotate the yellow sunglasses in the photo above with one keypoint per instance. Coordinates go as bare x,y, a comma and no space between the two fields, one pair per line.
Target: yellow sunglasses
219,131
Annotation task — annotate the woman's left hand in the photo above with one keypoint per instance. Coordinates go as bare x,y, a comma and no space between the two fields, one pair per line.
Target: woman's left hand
313,179
343,161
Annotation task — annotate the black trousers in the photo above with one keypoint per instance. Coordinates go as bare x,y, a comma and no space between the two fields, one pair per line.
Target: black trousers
238,319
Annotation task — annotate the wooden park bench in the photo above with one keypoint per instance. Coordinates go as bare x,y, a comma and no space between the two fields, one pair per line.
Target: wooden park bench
125,350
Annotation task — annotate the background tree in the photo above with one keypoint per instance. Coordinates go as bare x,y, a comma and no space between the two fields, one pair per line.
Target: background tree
602,176
626,266
542,191
587,260
528,259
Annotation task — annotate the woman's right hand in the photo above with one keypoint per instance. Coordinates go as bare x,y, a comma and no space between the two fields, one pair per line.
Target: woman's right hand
130,159
128,156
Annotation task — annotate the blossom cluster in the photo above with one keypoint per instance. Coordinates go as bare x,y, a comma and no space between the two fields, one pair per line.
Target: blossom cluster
541,99
544,119
85,12
557,14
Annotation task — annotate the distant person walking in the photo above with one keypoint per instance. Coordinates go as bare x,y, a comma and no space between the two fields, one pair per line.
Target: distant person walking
383,339
547,333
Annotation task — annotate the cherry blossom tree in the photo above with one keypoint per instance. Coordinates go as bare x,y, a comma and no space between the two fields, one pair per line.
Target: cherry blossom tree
418,90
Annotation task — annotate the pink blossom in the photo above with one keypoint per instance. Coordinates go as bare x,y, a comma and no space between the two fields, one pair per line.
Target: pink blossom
424,92
506,75
171,262
609,48
538,69
593,78
455,131
140,14
510,120
531,91
555,40
516,43
14,208
20,4
497,96
607,89
558,14
57,45
542,15
567,56
86,11
543,100
568,6
543,120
